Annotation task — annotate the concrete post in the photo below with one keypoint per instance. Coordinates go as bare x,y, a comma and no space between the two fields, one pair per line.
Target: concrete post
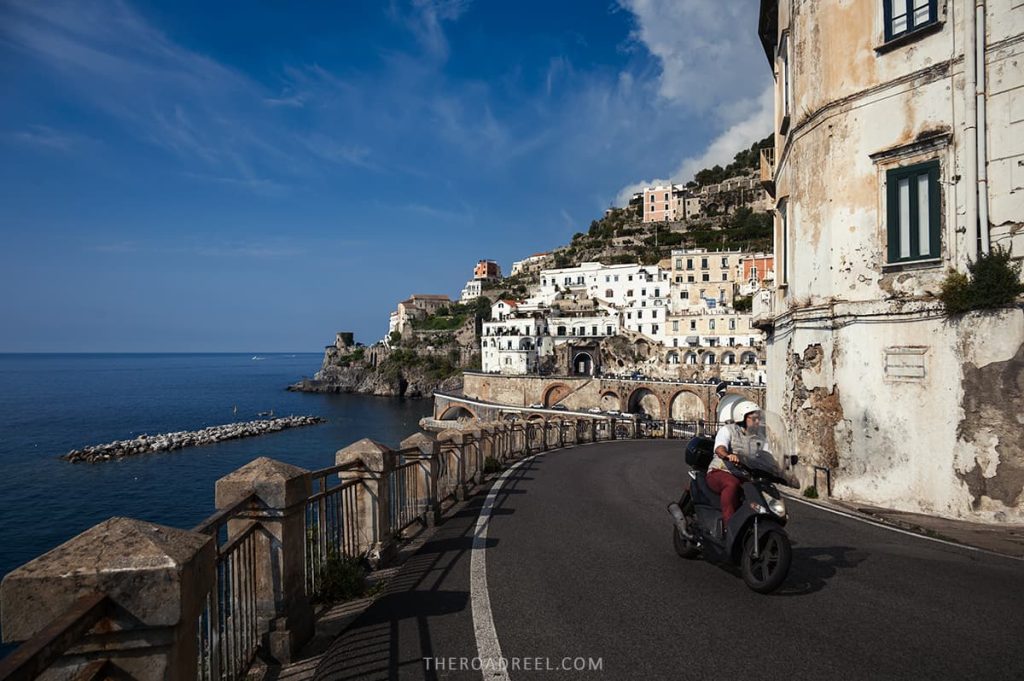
611,429
429,470
456,453
373,496
282,605
593,430
157,579
668,429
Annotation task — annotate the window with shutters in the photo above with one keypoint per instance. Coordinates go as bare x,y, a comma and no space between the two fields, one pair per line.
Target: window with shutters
913,213
903,17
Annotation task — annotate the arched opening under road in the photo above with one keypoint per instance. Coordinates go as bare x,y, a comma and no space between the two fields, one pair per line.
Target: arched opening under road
643,401
687,406
457,413
672,357
555,393
610,400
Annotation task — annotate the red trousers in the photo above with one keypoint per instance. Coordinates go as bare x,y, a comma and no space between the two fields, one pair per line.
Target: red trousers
729,489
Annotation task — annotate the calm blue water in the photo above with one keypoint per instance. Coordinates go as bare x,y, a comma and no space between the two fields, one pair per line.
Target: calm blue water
50,404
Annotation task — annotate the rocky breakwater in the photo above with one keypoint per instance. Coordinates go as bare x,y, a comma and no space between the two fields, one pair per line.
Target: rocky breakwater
166,442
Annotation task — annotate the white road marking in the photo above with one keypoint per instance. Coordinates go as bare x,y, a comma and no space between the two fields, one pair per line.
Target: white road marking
488,648
886,526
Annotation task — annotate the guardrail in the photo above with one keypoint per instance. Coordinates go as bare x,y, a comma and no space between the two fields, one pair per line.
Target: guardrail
144,601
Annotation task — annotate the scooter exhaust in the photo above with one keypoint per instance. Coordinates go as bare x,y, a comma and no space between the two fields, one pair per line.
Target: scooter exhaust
677,514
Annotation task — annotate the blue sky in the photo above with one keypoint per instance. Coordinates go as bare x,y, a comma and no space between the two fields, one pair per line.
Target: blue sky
197,176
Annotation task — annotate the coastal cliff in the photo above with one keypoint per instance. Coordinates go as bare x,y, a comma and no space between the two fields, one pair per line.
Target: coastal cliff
416,368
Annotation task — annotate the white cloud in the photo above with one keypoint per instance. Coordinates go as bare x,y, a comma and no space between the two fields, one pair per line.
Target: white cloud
49,138
426,23
711,65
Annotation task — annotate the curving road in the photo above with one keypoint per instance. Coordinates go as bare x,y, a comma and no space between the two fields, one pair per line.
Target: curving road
579,564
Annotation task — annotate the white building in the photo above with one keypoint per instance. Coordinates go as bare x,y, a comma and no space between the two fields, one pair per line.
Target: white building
513,345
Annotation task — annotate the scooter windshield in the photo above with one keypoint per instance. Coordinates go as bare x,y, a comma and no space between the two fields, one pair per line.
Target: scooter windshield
768,447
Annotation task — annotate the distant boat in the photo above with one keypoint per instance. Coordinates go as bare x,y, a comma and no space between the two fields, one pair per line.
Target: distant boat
257,357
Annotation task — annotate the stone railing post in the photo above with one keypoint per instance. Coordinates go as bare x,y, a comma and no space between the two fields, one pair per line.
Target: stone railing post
373,496
668,429
459,450
282,605
593,430
429,471
157,579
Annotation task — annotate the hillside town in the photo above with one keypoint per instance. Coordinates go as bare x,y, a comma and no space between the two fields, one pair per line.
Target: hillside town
838,297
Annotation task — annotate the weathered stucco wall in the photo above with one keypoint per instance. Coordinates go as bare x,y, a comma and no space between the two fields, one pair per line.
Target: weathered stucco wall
920,415
912,409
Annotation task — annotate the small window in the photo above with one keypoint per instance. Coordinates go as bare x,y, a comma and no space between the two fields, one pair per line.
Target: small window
693,325
705,277
711,324
725,262
906,16
689,263
703,263
725,276
912,199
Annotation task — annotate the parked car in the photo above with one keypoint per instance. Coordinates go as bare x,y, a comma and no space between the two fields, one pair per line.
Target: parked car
614,412
536,405
559,407
594,410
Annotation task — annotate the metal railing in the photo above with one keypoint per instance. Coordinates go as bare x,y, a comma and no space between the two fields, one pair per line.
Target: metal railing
340,516
331,519
228,634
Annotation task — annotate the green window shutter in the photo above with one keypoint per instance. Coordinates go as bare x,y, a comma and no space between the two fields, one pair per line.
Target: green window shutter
918,178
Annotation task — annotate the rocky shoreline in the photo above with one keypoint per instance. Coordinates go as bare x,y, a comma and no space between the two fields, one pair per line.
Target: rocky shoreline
166,442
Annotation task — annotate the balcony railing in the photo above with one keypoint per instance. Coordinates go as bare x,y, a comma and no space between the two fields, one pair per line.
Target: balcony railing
768,170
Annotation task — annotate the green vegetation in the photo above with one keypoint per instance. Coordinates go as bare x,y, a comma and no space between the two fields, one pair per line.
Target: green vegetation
340,579
743,162
354,356
993,281
811,492
742,303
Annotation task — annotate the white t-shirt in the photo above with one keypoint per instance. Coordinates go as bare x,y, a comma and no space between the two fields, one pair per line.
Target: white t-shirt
722,439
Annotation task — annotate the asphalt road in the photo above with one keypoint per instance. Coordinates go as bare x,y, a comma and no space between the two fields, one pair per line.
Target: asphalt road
580,567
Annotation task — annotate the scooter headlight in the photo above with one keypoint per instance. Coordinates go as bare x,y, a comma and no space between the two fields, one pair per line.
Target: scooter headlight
777,506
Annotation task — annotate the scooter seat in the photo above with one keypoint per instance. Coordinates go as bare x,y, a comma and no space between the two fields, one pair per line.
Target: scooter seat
704,495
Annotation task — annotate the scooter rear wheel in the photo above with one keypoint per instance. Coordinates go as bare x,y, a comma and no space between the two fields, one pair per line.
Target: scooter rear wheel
766,572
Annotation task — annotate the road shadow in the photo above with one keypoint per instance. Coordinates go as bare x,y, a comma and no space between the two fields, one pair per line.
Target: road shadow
403,625
814,566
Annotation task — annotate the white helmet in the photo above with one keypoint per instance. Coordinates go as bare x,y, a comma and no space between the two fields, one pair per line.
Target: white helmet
734,408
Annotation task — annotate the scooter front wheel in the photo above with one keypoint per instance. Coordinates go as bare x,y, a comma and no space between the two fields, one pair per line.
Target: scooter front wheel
765,572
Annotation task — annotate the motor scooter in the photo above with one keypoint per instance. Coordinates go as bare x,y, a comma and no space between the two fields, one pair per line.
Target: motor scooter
755,538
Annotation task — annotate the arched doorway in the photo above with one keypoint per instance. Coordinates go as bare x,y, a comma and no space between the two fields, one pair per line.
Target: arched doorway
583,364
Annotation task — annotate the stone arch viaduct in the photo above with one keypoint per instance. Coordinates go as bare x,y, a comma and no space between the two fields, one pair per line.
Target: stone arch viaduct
484,394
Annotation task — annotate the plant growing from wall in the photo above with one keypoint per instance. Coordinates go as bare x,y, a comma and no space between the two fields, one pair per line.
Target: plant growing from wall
340,579
992,281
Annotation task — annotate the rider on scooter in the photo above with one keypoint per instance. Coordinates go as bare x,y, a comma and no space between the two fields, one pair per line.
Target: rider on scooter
732,437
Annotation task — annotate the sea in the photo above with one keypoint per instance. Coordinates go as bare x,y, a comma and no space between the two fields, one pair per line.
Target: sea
52,403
